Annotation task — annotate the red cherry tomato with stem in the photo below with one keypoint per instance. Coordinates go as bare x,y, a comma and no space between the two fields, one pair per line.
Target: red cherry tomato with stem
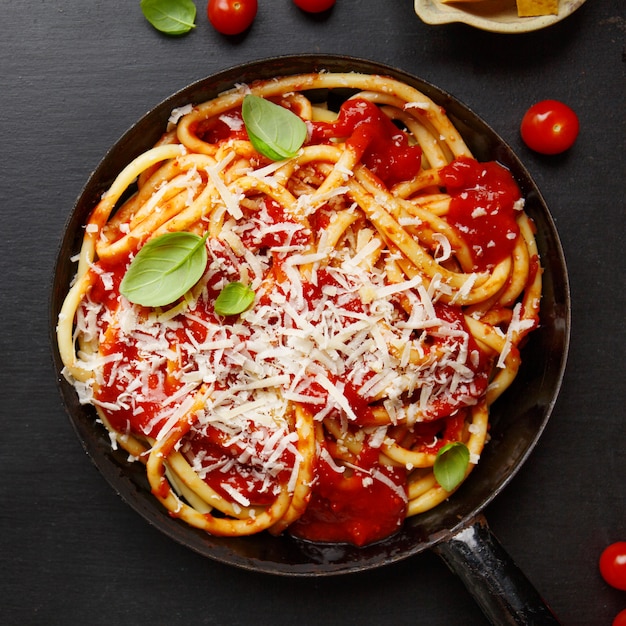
613,565
314,6
231,17
549,127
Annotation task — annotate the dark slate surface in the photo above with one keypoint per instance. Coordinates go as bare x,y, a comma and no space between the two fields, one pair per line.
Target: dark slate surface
73,77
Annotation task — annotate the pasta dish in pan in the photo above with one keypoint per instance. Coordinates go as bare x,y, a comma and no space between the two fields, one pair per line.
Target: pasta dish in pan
297,308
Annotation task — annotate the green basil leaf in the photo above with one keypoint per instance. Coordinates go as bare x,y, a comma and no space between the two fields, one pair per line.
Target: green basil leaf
165,269
274,131
234,298
172,17
451,465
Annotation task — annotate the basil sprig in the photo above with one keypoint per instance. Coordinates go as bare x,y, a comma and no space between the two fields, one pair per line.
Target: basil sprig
274,131
172,17
451,465
234,298
165,269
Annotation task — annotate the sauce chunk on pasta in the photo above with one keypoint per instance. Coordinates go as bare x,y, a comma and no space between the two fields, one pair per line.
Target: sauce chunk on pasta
394,278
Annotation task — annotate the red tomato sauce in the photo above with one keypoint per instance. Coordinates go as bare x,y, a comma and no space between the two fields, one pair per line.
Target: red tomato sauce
265,236
482,208
354,506
381,146
238,465
479,363
134,416
98,292
222,128
429,437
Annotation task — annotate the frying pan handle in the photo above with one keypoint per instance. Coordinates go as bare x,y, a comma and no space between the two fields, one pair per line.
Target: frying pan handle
501,589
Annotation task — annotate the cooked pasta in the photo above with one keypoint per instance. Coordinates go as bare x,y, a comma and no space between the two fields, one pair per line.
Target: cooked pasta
393,277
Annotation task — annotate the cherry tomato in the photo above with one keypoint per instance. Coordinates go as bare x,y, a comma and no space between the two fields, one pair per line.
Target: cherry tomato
549,127
620,619
231,17
314,6
613,565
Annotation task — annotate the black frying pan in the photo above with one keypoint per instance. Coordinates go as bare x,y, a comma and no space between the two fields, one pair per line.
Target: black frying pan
456,529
